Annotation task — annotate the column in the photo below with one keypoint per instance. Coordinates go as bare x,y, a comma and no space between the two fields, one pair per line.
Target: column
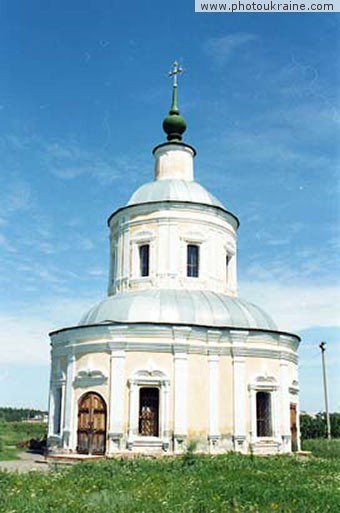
133,413
181,400
214,432
276,411
117,398
125,256
50,429
180,348
285,412
165,415
239,383
173,250
163,252
253,417
239,402
51,406
68,431
233,273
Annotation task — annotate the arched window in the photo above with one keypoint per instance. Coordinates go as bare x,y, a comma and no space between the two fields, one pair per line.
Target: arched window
192,260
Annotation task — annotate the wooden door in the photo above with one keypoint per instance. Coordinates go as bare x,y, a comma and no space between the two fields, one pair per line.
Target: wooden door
91,424
293,426
149,412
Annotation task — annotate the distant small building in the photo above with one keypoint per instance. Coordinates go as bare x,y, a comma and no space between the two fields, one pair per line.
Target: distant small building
39,417
172,355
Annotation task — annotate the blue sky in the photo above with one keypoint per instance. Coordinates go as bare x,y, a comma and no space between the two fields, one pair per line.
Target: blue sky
82,97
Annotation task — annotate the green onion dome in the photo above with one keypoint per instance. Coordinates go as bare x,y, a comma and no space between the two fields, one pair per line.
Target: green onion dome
174,125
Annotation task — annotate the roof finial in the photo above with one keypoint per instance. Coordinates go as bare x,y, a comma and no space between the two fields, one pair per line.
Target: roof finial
174,125
176,69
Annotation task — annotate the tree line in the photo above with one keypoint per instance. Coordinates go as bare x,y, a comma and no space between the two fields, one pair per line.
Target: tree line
18,414
315,426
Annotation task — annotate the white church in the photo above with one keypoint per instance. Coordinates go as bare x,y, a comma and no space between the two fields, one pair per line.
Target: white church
172,355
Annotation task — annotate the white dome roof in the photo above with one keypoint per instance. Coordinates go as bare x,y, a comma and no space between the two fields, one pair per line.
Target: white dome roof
173,190
172,306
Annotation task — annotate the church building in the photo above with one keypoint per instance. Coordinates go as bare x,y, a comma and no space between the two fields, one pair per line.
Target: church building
172,355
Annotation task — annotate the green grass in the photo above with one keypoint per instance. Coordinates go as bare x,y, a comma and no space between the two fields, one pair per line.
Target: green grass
12,433
322,448
199,484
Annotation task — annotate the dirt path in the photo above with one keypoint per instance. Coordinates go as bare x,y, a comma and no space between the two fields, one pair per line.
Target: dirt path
27,462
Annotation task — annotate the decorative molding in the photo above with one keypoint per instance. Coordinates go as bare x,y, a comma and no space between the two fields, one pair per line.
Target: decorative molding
294,388
89,378
108,331
194,236
263,383
176,347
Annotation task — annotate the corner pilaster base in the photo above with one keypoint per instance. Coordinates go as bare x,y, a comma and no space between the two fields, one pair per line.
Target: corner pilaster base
286,445
115,442
66,439
214,442
239,443
180,443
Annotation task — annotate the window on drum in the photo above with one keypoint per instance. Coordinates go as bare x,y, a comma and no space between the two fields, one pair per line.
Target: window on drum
144,258
192,260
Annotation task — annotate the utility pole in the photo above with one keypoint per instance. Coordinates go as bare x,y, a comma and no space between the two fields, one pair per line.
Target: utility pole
323,349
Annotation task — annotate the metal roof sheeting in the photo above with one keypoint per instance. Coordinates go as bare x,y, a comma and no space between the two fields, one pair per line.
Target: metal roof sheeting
191,307
173,190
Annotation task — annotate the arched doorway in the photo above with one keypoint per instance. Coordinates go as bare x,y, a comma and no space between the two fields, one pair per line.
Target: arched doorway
91,424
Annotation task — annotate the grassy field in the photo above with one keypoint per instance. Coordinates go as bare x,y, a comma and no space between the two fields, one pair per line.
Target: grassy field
12,433
189,484
323,448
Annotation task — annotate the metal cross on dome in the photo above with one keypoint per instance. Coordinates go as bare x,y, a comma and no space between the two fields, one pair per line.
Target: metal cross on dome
176,69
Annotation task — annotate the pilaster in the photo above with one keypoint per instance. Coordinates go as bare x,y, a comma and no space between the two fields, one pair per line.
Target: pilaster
180,387
284,402
239,392
117,395
133,413
68,430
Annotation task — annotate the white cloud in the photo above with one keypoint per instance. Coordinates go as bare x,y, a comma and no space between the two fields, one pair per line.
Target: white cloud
221,49
16,196
24,334
69,161
295,307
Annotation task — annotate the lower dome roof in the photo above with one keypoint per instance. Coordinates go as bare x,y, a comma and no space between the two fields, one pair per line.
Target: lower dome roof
172,306
173,190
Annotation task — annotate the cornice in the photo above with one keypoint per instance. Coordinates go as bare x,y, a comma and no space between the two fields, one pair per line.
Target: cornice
155,205
150,328
175,347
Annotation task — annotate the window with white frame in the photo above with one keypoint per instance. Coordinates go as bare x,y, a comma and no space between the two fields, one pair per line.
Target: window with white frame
113,272
149,405
227,263
144,259
193,254
264,426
